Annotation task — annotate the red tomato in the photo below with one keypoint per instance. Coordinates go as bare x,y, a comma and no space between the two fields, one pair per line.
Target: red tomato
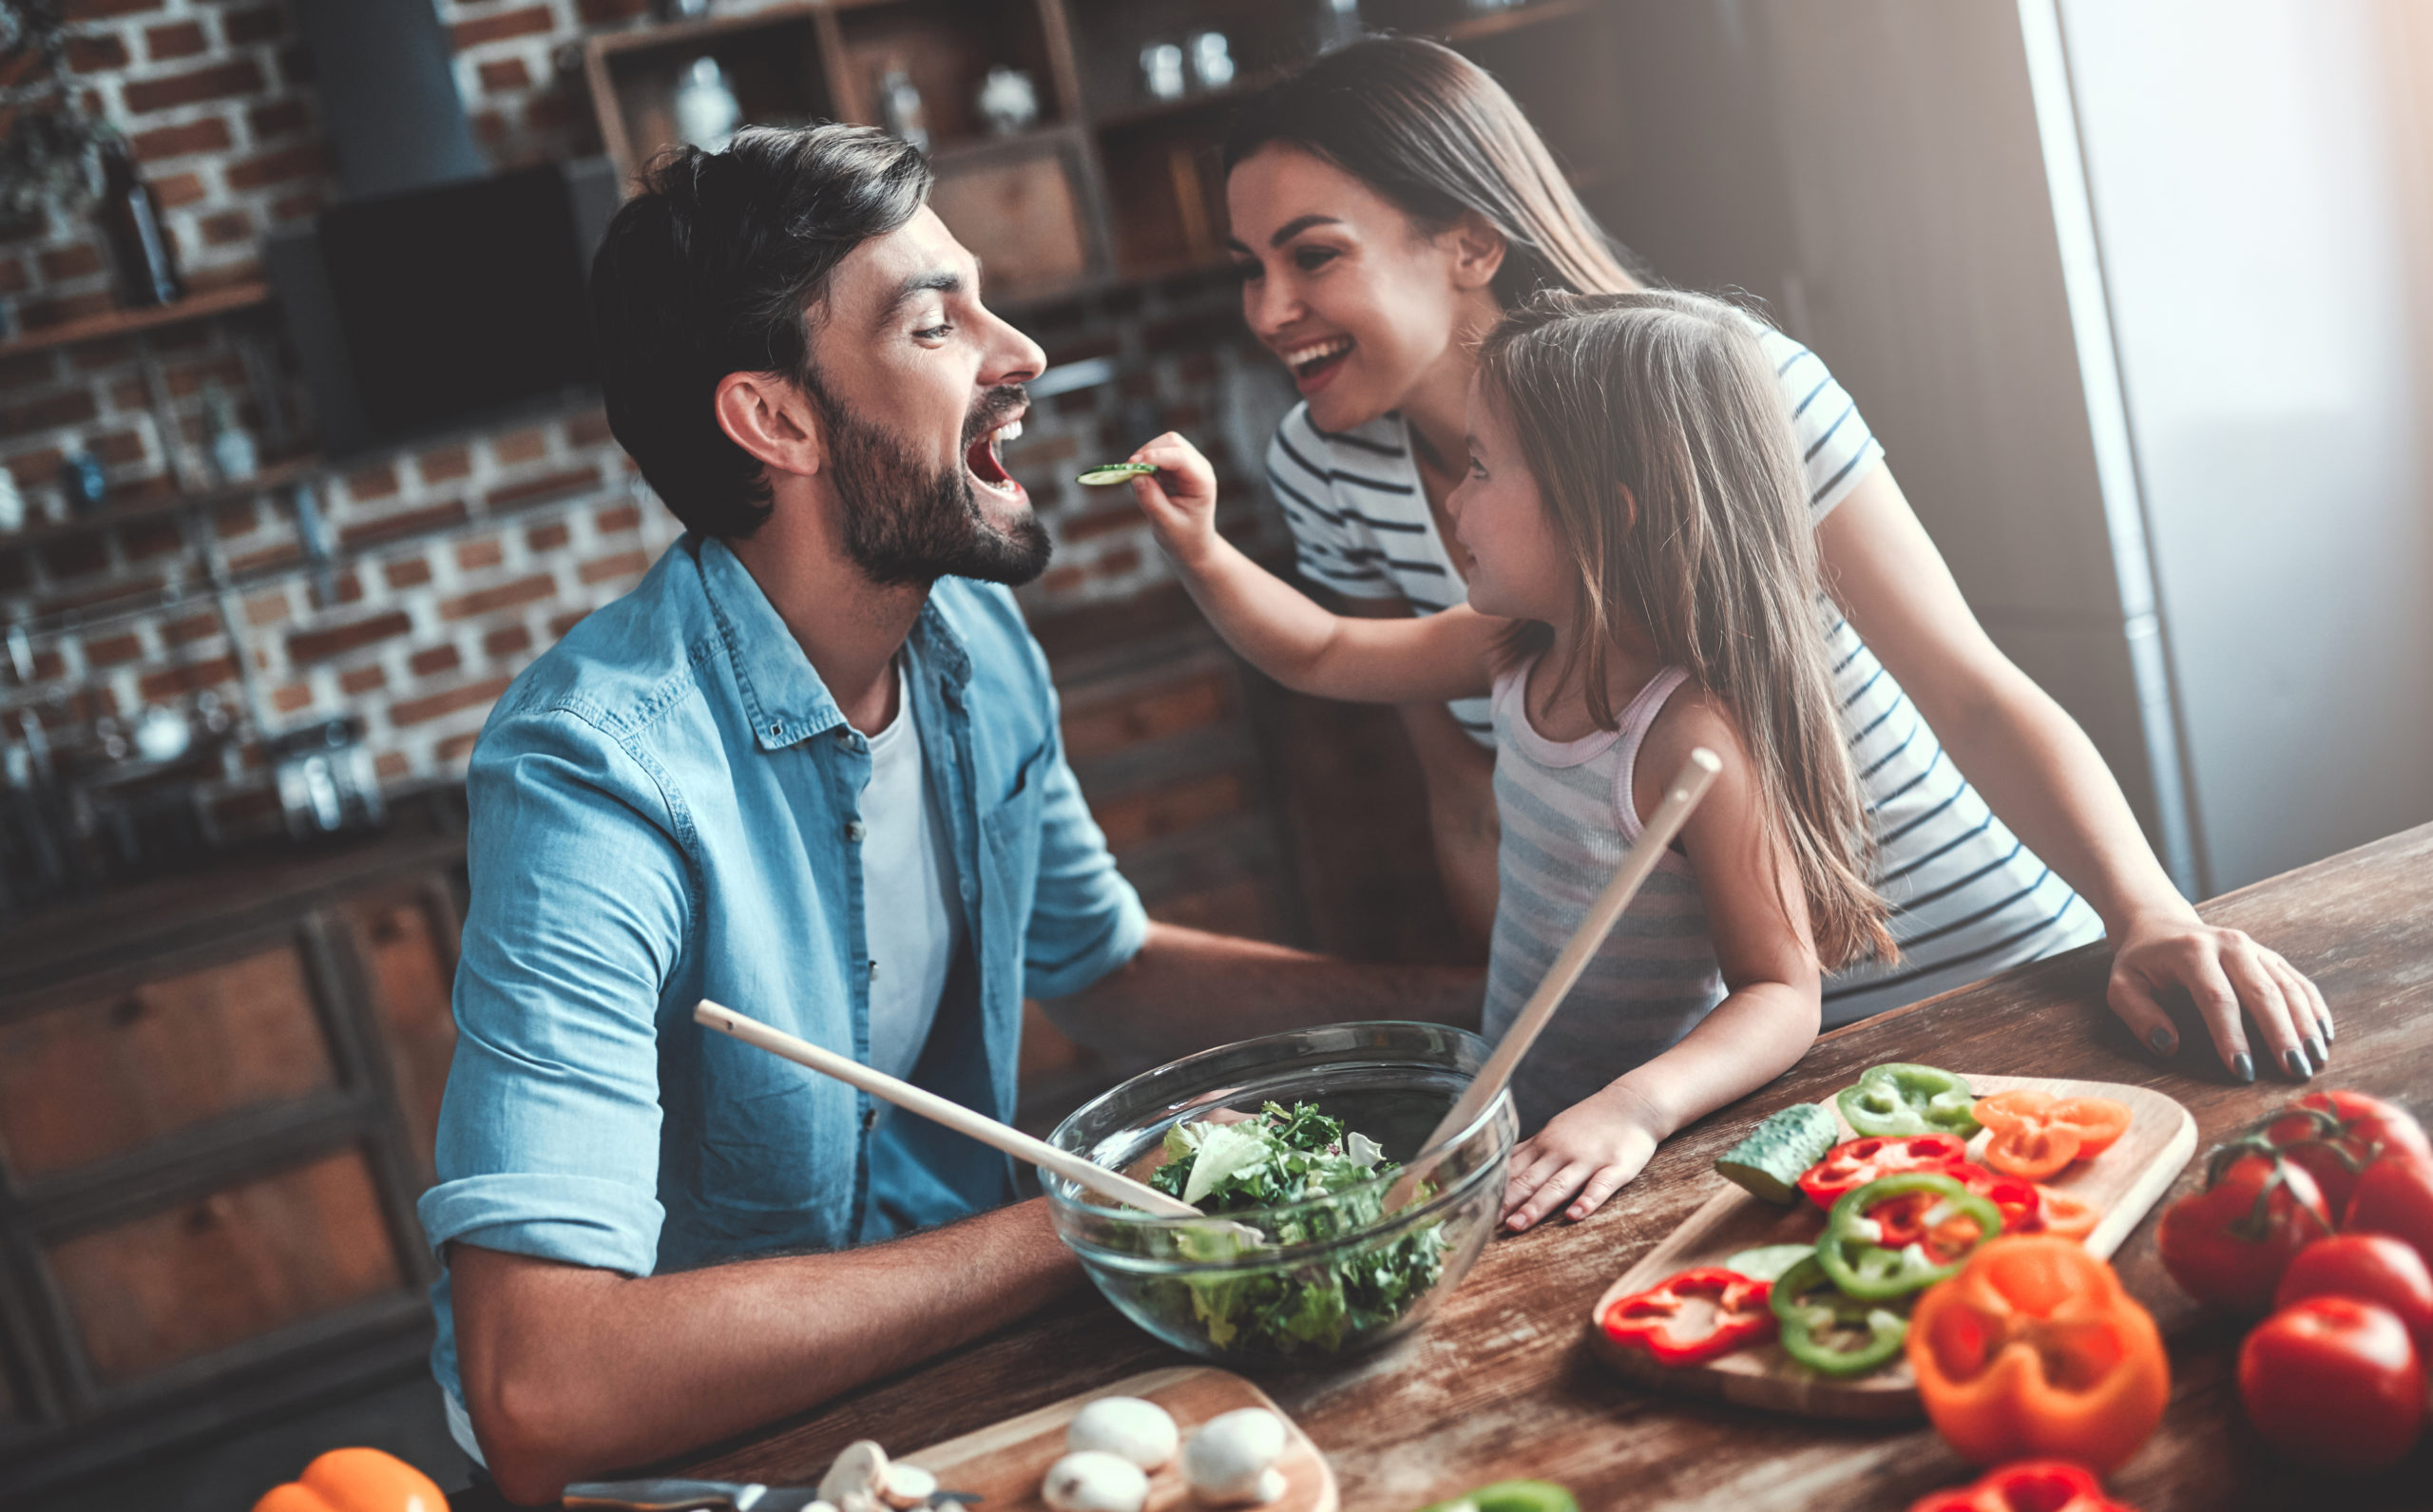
2336,1134
2372,1268
2229,1243
2333,1382
2395,1196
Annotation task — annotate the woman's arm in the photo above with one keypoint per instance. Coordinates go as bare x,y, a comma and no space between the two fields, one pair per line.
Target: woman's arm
2045,778
1278,629
1759,921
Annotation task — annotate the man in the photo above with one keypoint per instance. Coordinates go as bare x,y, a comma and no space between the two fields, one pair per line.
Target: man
810,768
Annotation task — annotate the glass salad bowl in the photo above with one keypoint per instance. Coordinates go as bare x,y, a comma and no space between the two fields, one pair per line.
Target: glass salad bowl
1332,1273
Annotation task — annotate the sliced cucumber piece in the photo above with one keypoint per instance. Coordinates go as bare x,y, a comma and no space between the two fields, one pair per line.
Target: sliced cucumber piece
1107,474
1771,1160
1768,1262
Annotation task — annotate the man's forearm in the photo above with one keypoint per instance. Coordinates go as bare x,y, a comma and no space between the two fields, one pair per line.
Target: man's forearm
570,1371
1188,989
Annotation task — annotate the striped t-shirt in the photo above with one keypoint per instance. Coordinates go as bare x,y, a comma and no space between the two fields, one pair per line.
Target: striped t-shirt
1968,898
1568,815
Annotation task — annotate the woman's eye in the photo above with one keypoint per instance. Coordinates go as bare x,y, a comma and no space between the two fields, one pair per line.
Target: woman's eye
1310,259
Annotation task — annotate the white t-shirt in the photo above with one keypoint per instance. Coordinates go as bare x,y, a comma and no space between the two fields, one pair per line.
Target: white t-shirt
910,917
1968,898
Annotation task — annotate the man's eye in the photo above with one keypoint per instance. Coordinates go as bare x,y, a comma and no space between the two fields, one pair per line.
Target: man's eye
935,333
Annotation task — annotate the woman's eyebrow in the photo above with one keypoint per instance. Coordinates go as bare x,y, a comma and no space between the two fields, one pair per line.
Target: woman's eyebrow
1299,223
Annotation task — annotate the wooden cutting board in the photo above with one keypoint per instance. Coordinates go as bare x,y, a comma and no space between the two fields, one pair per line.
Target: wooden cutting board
2122,1183
1006,1462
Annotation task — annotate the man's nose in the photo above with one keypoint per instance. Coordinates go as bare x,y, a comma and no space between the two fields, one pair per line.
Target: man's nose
1012,357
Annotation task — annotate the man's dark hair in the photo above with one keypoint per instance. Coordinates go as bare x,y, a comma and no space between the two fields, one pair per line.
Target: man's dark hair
710,270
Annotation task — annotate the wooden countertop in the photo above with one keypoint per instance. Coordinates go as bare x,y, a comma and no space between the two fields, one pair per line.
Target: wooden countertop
1501,1382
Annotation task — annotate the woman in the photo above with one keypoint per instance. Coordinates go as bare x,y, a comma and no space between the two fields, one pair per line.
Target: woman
1386,205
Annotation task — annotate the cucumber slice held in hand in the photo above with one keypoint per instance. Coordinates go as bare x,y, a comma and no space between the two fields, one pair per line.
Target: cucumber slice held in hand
1769,1161
1107,474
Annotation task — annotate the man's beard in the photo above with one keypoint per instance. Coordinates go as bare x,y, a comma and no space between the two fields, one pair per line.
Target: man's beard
907,524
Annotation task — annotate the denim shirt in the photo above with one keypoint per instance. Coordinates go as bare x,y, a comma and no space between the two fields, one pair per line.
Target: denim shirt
664,809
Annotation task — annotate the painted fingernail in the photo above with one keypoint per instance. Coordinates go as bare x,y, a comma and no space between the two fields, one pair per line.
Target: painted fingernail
2161,1039
2316,1048
2330,1031
2298,1064
2243,1067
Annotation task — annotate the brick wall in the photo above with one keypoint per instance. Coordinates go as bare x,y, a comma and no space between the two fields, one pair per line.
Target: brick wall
457,562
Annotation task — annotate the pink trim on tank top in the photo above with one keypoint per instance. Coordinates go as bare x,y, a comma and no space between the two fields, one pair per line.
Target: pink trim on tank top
1631,729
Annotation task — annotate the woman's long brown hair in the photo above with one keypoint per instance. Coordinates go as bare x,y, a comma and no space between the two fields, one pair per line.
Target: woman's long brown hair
1656,433
1437,136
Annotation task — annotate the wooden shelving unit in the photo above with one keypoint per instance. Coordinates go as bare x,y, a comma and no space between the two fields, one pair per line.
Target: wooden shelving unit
1112,186
227,300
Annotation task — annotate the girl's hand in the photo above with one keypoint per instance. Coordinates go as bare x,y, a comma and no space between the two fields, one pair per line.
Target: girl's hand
1593,1149
1179,498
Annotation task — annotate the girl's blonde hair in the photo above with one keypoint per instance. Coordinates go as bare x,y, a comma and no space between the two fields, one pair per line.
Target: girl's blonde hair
1656,433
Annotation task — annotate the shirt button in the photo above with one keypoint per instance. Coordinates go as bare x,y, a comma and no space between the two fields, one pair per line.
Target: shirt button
854,830
844,735
869,1120
873,970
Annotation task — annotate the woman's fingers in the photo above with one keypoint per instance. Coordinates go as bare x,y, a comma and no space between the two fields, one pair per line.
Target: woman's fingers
2306,1004
2243,963
2218,1004
2133,1003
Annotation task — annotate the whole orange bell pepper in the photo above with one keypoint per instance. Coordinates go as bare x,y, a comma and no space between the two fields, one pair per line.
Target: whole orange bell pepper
2034,1351
356,1480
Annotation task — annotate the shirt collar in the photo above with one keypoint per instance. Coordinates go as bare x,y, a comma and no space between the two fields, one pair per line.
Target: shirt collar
781,690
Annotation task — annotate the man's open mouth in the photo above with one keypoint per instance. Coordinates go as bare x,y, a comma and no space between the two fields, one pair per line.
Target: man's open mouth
988,467
1317,357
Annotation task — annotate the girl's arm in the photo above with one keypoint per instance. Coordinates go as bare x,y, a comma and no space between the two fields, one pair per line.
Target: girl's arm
2044,777
1758,920
1277,629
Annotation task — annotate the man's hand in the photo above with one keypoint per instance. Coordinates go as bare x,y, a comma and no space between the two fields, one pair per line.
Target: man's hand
571,1372
1593,1148
2221,971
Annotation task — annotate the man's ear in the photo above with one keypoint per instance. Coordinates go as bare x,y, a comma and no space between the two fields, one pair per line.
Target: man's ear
767,415
1477,251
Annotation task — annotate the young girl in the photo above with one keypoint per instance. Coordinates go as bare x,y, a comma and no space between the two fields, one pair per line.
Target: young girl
1643,581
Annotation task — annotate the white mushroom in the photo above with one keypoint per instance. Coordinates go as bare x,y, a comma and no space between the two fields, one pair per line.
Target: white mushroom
905,1486
1128,1428
855,1481
1095,1480
1230,1461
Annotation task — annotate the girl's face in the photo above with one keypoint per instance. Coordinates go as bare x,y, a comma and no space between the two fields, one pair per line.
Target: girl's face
1519,567
1338,283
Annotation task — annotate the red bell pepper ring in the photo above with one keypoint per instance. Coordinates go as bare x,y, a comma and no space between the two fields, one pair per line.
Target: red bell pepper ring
1661,1320
2030,1486
1853,1164
1901,1218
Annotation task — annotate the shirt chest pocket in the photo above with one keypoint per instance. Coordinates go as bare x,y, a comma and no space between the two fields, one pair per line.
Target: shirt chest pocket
1009,846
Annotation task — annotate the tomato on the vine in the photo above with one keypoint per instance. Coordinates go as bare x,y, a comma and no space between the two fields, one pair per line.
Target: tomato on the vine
2333,1382
2229,1243
2372,1268
2394,1195
2336,1134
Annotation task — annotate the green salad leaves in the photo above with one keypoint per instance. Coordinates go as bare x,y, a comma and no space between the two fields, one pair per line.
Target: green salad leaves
1278,1160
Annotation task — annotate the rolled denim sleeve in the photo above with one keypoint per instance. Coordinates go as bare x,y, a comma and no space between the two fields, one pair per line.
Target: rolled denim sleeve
548,1134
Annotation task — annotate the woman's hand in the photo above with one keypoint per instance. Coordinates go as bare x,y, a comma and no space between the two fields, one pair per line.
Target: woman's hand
2221,971
1593,1149
1179,498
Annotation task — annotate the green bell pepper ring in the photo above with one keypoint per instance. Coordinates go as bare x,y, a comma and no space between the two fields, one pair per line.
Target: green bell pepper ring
1897,1098
1816,1318
1852,1250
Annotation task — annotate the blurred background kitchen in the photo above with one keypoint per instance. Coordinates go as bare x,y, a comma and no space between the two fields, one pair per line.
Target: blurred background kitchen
301,467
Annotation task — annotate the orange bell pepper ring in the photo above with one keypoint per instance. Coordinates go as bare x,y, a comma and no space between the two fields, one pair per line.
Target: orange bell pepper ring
356,1480
2034,1351
2037,1134
2064,1216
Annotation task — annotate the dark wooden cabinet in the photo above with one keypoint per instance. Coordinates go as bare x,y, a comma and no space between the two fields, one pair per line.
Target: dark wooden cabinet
217,1104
